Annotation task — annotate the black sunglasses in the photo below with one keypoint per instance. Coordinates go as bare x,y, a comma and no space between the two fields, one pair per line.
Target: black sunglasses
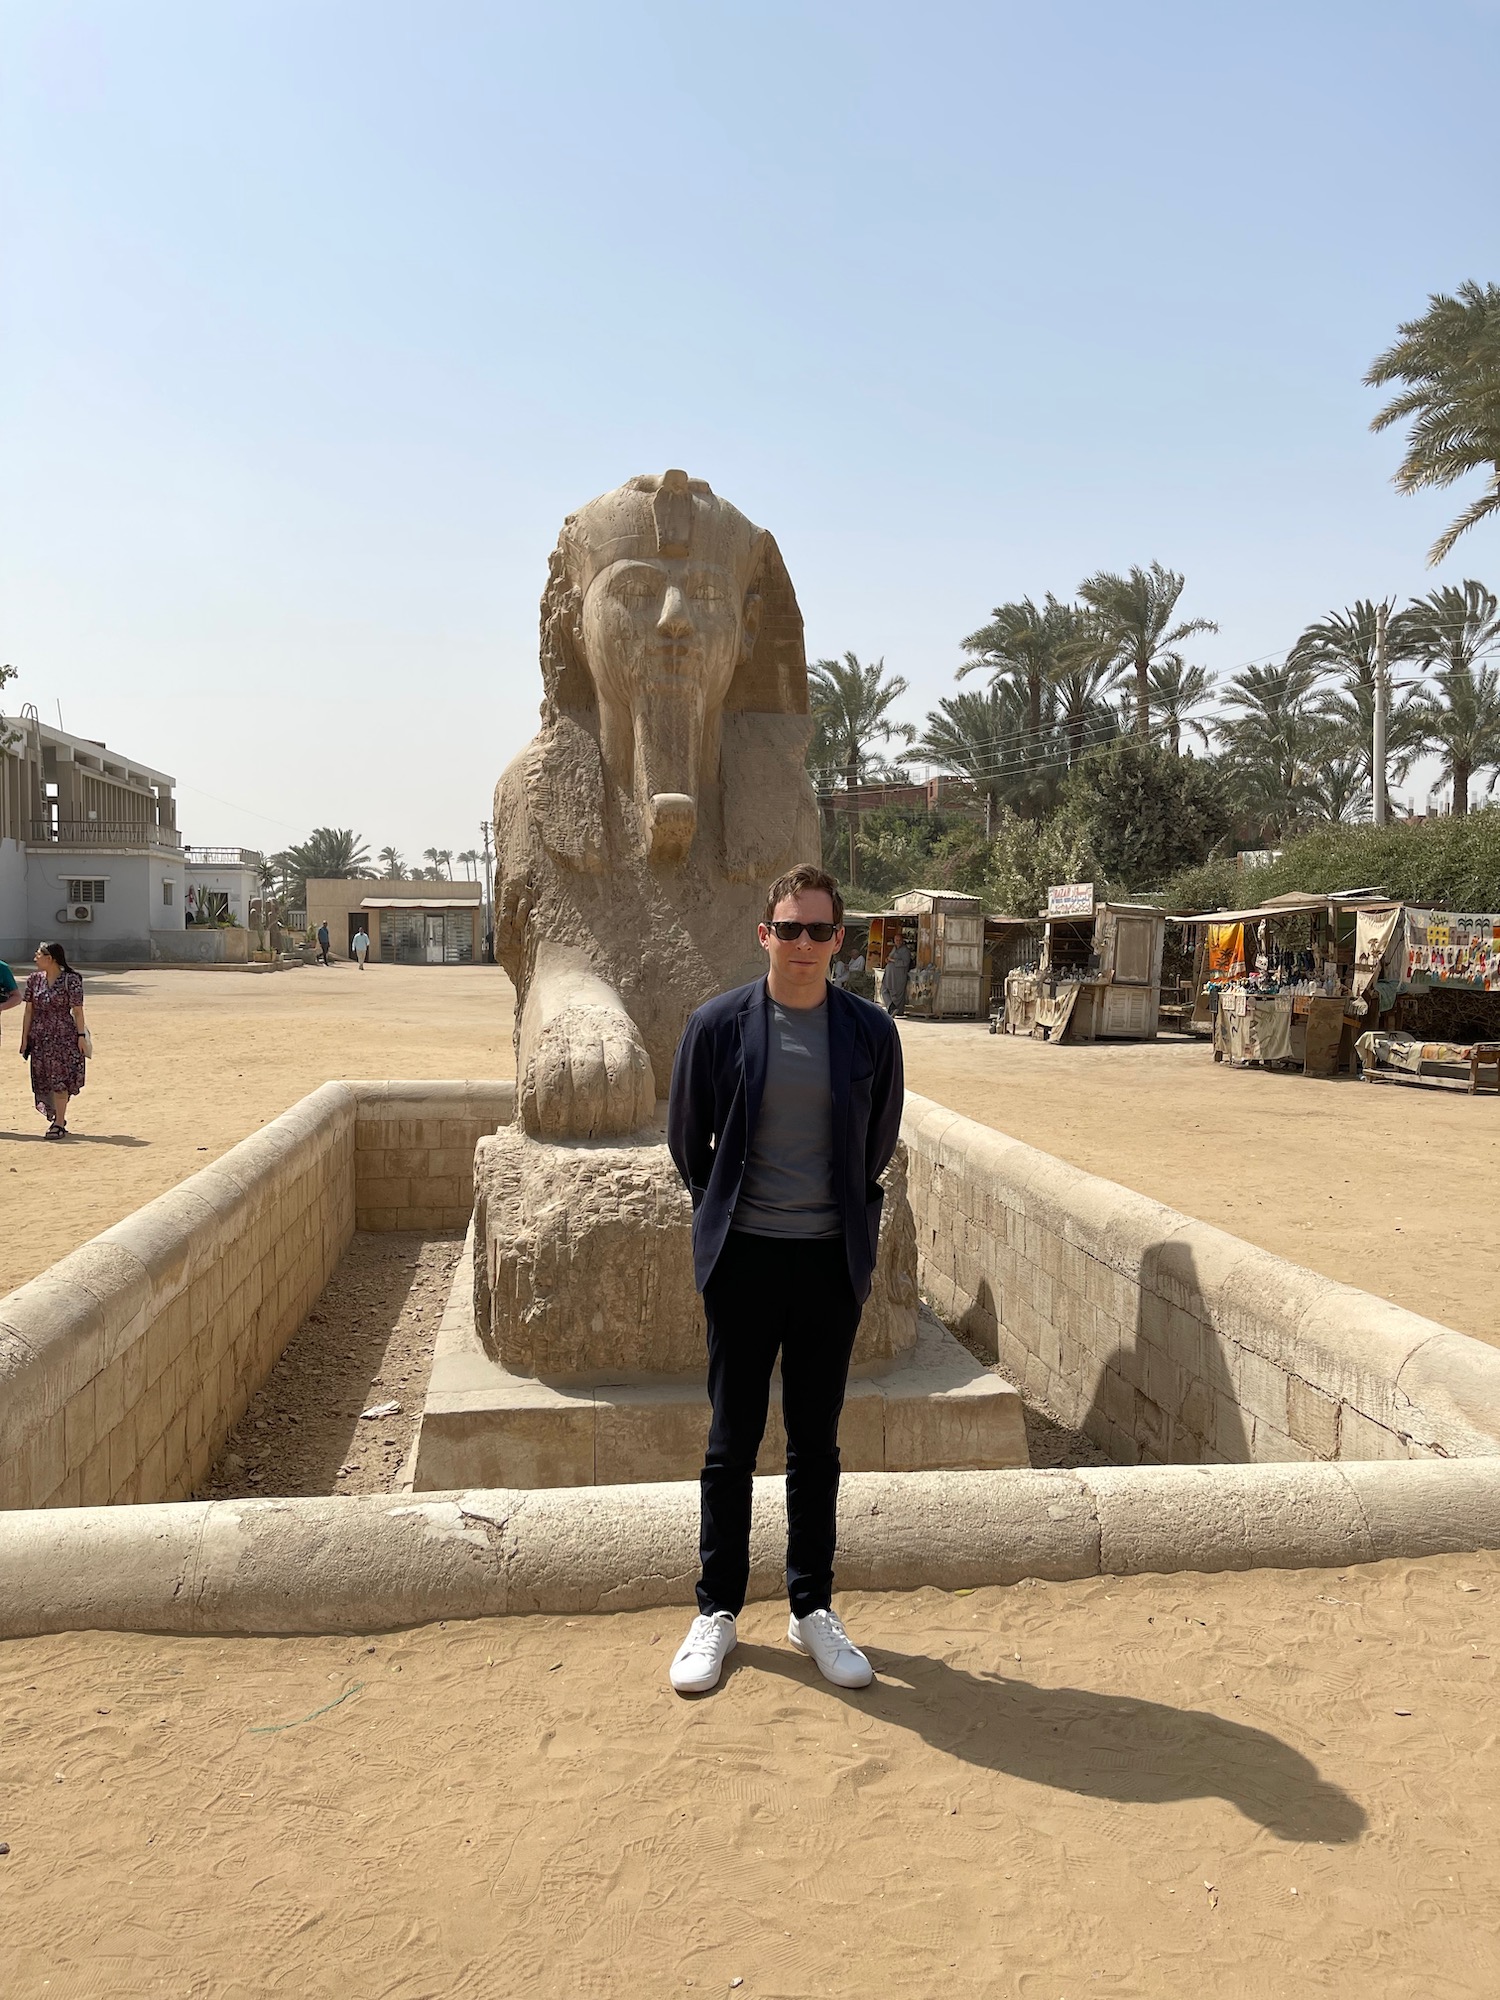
789,932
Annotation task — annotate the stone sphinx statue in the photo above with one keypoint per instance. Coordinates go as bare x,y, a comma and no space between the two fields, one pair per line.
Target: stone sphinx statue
636,833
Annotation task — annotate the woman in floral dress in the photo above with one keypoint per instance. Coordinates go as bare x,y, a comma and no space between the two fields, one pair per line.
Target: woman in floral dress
52,1035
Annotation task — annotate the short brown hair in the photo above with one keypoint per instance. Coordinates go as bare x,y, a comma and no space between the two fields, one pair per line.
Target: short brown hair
797,881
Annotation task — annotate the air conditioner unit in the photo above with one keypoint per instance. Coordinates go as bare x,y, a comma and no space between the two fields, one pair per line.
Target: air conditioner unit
76,913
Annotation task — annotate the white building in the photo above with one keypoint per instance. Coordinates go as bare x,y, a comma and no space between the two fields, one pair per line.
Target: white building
90,854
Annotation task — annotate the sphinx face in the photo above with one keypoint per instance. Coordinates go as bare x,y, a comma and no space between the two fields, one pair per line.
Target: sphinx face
663,636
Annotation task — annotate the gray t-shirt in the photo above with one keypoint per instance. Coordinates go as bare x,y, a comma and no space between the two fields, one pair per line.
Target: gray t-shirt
787,1188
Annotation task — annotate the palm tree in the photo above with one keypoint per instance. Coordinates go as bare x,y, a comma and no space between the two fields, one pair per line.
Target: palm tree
1463,726
1133,629
1086,719
1344,643
469,857
391,861
1452,631
329,853
1274,740
978,737
851,707
1019,645
1337,788
1034,651
440,858
1449,360
1176,691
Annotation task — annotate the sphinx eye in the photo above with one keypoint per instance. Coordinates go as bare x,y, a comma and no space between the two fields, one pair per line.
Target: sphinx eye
705,590
637,587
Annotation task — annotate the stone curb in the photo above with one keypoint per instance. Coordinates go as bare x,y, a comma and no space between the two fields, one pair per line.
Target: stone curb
381,1562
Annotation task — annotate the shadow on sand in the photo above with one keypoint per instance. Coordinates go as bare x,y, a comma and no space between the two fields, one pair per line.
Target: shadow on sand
76,1139
1096,1745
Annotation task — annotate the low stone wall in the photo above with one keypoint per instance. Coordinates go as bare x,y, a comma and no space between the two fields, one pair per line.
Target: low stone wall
202,944
123,1367
1166,1340
384,1561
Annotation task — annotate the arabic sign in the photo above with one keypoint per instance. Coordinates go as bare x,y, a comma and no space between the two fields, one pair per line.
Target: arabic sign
1071,899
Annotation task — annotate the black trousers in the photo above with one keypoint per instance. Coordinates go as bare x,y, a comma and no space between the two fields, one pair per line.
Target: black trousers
770,1294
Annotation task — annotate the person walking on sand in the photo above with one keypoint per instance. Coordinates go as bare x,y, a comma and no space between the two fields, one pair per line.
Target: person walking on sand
359,944
54,1036
323,942
784,1111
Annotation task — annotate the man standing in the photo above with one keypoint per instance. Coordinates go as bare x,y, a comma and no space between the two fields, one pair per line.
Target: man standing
323,942
359,944
785,1109
893,979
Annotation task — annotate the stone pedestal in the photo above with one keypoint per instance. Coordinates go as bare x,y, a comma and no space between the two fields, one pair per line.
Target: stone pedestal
583,1267
572,1349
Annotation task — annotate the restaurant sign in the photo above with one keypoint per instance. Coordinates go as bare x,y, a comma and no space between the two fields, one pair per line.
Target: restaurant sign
1071,899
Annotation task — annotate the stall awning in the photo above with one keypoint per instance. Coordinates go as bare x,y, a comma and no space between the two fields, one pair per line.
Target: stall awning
1299,903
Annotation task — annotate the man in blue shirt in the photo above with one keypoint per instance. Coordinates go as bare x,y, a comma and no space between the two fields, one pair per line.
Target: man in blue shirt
10,994
785,1109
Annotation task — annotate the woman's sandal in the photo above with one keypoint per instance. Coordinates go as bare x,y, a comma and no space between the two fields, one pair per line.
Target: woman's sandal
56,1131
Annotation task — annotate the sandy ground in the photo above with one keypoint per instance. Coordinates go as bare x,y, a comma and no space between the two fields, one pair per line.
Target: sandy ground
1389,1188
189,1062
1266,1784
366,1345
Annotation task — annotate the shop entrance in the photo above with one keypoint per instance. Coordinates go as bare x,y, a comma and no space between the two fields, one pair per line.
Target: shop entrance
434,925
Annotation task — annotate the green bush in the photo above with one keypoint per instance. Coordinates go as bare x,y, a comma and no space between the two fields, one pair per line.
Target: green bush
1451,864
1148,812
901,848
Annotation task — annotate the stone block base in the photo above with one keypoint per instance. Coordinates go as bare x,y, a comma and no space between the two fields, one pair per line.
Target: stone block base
584,1262
936,1410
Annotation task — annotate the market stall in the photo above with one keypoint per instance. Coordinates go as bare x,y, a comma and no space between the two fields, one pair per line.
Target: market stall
1099,975
1011,944
1431,980
1278,982
944,933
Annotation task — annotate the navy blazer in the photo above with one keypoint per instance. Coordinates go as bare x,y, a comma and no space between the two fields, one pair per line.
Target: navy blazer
717,1081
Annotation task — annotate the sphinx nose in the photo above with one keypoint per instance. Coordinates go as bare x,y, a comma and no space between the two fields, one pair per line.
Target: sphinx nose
674,622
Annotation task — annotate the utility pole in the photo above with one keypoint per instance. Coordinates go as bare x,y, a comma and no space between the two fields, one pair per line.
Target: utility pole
1382,702
489,909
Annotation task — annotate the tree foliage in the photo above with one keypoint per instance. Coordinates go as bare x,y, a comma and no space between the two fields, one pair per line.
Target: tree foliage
1449,361
1448,863
1146,813
1133,629
329,853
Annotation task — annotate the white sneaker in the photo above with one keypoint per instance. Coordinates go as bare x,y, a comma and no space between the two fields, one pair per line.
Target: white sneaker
828,1645
699,1660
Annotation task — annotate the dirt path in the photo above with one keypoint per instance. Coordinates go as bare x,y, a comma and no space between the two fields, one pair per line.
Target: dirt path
1271,1783
1388,1188
367,1344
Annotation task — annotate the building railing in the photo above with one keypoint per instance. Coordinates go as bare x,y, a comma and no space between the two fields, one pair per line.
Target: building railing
103,833
222,857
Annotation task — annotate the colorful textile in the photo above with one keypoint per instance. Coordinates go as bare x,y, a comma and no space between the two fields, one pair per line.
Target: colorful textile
1405,1052
1374,933
1450,948
56,1059
1226,951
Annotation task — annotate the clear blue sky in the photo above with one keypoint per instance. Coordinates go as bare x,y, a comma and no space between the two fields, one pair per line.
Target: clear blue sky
316,317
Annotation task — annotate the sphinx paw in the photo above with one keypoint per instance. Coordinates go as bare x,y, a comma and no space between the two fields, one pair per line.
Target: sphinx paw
589,1077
